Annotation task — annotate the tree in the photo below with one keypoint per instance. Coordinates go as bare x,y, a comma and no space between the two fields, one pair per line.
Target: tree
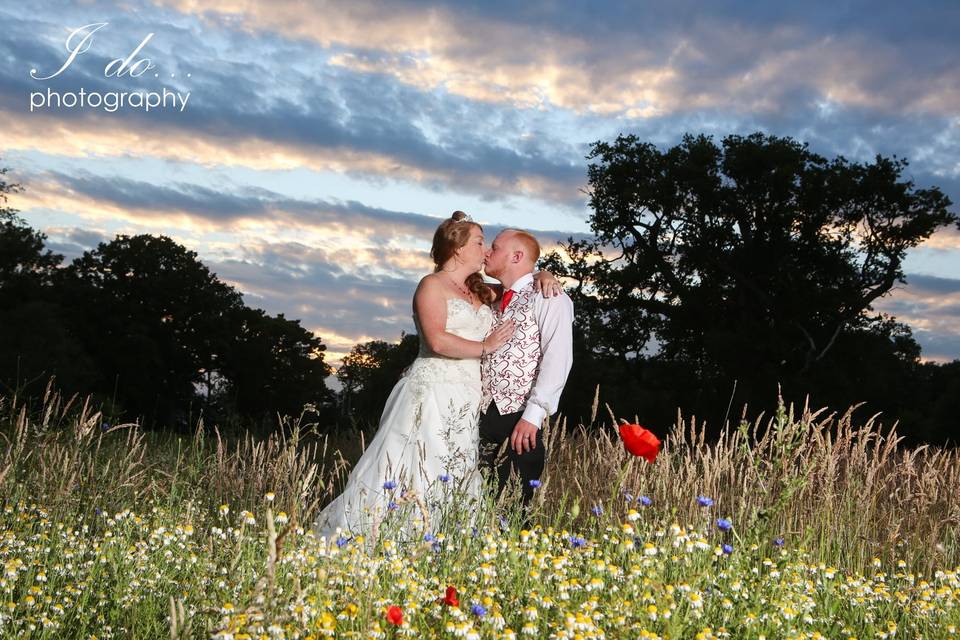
25,267
756,261
154,318
369,372
34,340
274,366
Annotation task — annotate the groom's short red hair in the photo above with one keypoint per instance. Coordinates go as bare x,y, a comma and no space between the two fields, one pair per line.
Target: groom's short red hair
531,248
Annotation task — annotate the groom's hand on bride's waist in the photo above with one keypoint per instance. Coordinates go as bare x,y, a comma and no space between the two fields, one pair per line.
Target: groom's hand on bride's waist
524,437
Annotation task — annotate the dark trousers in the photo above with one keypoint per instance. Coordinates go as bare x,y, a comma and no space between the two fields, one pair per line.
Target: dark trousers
495,429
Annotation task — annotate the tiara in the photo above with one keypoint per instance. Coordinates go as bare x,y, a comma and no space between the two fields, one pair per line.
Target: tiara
465,218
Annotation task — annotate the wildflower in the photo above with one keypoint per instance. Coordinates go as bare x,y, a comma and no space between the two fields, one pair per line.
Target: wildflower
394,615
778,541
445,477
389,485
597,510
645,501
577,542
282,517
727,549
393,506
704,501
535,483
269,496
478,610
450,598
342,542
724,525
640,442
429,537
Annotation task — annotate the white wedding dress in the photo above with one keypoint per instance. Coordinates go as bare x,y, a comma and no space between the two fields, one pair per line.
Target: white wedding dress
424,454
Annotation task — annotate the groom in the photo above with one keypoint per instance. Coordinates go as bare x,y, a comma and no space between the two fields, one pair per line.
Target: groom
522,380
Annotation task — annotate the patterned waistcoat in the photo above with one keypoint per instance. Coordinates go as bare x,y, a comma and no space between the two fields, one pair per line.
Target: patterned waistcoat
509,372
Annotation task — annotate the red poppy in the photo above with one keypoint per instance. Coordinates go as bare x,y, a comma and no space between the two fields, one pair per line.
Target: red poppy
451,597
639,441
395,615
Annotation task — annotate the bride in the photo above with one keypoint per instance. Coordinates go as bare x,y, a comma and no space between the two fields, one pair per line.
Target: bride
426,447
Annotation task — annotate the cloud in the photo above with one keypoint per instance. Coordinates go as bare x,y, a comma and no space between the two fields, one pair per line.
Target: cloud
312,115
931,306
628,59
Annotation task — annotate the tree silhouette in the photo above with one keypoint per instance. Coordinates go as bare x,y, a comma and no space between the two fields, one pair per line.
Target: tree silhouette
274,366
756,261
154,318
369,372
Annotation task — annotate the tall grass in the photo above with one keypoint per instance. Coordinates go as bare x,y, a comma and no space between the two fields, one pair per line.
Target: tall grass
117,532
67,458
845,491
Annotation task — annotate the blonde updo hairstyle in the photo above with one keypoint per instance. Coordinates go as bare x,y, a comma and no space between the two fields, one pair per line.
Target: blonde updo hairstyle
452,234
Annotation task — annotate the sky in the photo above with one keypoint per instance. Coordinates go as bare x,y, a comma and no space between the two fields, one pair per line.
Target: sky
307,151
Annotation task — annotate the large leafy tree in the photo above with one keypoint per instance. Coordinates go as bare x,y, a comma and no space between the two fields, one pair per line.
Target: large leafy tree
155,319
755,260
274,366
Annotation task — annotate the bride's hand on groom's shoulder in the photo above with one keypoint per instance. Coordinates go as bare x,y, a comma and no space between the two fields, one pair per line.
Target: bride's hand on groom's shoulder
547,284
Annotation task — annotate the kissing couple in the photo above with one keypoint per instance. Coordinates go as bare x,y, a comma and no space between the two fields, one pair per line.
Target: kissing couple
492,363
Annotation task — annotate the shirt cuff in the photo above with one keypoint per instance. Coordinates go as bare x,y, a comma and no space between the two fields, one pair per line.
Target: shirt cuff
534,414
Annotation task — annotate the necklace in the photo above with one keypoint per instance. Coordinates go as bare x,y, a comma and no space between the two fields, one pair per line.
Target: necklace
461,288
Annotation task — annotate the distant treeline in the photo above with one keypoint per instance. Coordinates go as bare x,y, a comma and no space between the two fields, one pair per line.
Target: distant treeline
719,277
143,326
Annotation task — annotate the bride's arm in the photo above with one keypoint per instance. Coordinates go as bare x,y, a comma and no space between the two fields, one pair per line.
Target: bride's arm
547,284
430,305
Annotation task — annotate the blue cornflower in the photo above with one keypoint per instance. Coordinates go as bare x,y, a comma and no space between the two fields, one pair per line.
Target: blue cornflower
436,547
504,523
342,542
98,511
535,483
645,501
577,542
478,610
778,541
628,496
597,510
445,477
105,426
704,501
389,485
393,506
428,537
727,549
724,525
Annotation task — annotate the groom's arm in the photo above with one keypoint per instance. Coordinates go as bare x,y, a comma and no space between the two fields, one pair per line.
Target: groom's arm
555,319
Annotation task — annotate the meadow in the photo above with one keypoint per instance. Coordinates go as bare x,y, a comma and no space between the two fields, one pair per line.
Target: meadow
801,524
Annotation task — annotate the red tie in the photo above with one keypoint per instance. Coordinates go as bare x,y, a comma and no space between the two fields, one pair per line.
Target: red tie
506,299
